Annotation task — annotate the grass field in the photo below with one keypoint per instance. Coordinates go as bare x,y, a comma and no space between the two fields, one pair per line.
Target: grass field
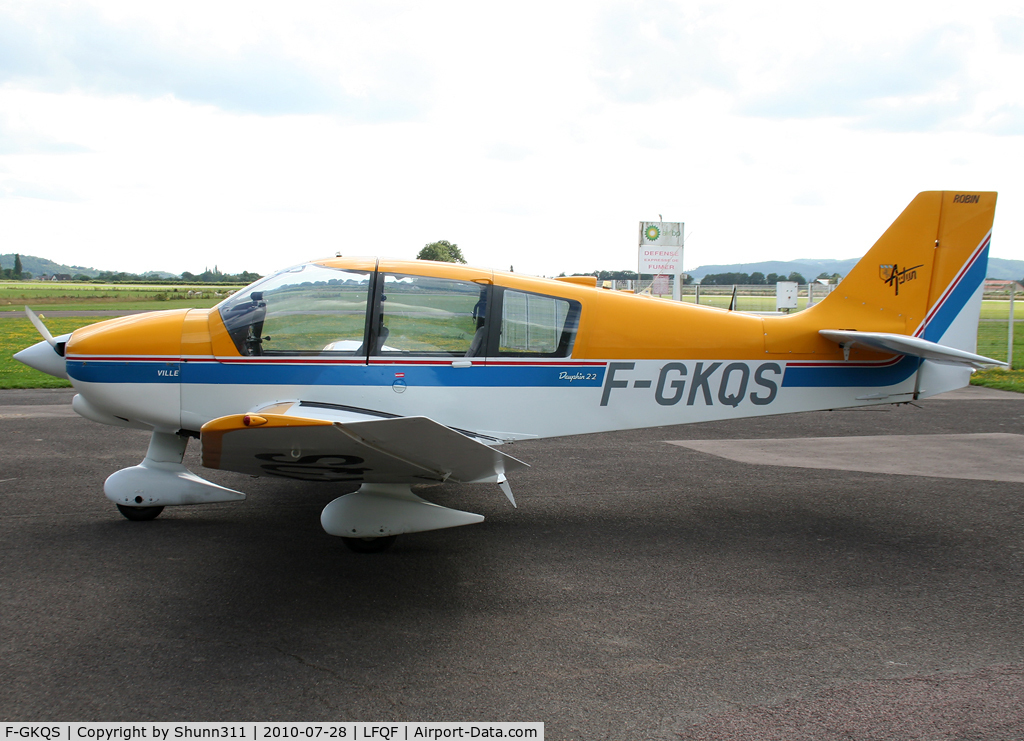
100,304
993,309
14,296
17,334
992,336
1007,380
992,341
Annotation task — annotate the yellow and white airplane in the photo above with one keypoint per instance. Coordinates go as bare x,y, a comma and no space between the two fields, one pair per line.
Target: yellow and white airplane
389,373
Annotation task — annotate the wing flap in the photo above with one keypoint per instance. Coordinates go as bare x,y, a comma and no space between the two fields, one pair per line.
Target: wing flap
397,450
425,442
907,345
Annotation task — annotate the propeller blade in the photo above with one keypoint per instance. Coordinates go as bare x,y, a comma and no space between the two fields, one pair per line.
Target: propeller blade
40,327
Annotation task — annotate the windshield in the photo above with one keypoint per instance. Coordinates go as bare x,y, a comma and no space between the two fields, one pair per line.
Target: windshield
304,310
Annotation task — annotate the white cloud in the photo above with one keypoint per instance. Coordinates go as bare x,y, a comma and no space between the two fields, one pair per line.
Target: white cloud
647,52
15,140
919,85
877,66
1008,120
508,152
78,48
18,189
1011,32
256,135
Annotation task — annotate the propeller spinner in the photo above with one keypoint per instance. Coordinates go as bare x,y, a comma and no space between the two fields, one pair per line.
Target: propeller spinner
46,356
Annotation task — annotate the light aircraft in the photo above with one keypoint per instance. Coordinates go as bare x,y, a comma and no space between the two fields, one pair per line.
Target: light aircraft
390,373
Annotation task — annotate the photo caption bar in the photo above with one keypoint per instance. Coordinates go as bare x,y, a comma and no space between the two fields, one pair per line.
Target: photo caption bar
267,731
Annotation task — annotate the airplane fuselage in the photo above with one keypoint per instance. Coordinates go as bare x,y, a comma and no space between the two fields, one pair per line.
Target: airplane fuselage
629,361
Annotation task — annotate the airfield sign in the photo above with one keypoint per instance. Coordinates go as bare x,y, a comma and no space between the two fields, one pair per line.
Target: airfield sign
661,250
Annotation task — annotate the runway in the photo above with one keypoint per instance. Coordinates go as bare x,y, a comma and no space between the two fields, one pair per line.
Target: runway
656,584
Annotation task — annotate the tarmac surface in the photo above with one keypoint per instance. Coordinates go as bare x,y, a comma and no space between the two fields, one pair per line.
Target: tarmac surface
650,585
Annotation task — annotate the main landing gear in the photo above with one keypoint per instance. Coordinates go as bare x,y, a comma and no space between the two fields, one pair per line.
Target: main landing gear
369,520
139,514
369,545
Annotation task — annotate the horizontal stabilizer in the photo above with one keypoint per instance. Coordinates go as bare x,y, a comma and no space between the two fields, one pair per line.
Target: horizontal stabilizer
396,450
906,345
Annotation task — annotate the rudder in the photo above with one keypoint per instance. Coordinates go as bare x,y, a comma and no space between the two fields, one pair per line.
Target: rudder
960,267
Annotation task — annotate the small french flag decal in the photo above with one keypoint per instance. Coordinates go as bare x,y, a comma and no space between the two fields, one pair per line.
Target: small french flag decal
399,375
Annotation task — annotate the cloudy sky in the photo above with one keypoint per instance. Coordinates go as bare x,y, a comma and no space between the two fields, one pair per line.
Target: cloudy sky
176,136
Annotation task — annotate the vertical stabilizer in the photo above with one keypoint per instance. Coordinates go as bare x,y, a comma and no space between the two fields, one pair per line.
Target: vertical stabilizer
924,277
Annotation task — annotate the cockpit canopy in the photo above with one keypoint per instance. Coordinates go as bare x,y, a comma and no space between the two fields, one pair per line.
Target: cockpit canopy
313,309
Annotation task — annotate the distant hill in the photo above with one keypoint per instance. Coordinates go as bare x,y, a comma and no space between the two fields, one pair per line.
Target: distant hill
41,266
810,269
1005,269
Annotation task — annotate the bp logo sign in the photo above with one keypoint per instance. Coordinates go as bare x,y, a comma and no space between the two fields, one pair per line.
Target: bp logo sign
661,234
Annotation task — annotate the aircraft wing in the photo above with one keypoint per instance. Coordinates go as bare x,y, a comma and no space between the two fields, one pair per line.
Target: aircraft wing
906,345
320,443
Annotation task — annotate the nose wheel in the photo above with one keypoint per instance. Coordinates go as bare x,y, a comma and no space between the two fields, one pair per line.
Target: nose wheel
139,514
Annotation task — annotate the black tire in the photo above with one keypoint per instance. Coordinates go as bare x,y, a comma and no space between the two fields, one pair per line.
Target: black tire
370,545
139,514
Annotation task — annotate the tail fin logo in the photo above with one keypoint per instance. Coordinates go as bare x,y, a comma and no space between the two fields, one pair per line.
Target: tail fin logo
893,276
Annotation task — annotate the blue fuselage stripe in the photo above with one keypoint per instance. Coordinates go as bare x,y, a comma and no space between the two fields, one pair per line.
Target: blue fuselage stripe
279,374
798,376
479,376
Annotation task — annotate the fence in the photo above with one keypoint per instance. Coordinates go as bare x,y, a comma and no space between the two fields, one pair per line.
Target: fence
748,298
994,337
998,315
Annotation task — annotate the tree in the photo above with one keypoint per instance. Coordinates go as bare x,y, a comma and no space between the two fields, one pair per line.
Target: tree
443,251
757,279
17,266
796,277
725,279
772,278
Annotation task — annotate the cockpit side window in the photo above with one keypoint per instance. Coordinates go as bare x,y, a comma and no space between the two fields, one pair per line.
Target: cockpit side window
420,315
305,310
533,325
